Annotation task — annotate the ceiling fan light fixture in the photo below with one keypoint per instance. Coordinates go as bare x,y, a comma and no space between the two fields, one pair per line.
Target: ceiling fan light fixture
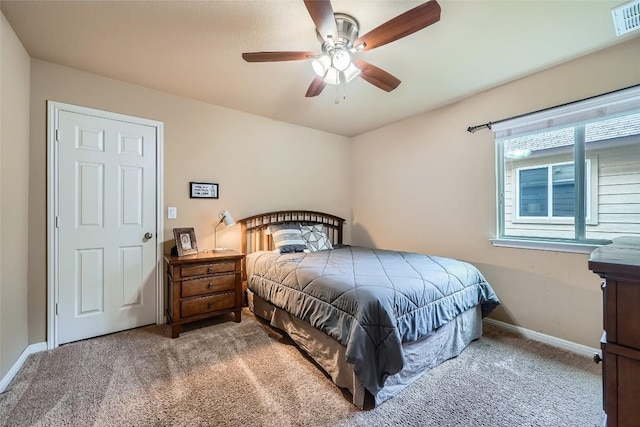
332,77
351,72
340,59
321,64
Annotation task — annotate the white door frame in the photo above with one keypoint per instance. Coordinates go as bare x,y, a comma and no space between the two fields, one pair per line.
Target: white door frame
53,109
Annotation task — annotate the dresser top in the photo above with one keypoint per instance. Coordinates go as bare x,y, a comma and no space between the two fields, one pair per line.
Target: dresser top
622,254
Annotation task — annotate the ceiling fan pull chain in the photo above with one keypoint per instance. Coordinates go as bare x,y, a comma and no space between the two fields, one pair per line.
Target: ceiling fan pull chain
342,83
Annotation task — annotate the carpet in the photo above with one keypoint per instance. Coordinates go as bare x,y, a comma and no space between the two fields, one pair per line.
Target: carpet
249,374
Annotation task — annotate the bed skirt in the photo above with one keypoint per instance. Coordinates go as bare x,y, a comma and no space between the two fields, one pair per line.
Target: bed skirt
419,356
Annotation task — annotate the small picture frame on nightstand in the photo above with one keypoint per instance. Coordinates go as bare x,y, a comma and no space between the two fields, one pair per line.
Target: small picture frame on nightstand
185,241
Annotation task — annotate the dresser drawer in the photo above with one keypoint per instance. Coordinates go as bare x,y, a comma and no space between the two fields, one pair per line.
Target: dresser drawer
202,269
195,306
208,285
621,370
627,314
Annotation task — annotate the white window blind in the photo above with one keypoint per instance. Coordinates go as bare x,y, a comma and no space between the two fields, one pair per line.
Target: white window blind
609,104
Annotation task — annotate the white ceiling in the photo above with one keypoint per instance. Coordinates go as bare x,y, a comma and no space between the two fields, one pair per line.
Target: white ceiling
193,49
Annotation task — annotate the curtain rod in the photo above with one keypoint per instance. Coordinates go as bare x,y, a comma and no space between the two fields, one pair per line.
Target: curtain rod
472,129
487,125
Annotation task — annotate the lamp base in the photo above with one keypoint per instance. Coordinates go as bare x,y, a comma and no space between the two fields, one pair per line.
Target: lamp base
219,249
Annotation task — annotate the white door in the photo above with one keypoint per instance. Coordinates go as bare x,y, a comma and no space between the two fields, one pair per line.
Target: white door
106,226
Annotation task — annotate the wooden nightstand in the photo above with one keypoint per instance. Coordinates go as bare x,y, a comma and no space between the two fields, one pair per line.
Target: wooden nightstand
202,286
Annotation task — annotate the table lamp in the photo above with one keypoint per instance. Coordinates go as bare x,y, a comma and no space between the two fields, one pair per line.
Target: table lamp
228,220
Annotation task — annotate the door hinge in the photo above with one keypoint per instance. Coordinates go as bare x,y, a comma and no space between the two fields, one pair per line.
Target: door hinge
56,309
57,135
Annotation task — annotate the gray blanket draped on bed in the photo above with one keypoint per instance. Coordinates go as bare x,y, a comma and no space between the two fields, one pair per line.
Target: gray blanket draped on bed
370,300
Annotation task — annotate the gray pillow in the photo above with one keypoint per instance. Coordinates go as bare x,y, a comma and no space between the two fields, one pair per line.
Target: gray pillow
287,238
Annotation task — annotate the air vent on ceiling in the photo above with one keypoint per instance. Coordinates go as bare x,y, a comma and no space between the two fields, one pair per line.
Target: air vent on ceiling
626,17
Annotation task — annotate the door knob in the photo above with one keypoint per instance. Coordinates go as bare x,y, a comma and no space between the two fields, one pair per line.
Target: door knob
148,236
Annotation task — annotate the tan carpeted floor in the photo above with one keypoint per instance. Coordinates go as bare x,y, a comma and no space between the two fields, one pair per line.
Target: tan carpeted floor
247,374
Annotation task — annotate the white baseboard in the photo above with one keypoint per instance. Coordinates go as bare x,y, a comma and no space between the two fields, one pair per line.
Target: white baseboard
31,349
544,338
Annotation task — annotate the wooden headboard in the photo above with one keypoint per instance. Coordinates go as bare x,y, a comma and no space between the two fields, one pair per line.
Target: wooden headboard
255,237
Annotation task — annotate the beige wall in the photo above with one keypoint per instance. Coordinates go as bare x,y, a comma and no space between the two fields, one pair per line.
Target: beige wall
260,164
14,187
427,185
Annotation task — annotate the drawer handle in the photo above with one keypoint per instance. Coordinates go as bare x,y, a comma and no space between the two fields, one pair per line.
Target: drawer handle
210,305
210,285
210,270
596,358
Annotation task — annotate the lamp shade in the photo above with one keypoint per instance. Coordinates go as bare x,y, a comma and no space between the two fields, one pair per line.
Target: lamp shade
321,64
351,72
227,218
332,77
340,58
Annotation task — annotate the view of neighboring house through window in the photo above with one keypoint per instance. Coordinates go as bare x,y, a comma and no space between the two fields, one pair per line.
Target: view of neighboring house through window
548,191
572,173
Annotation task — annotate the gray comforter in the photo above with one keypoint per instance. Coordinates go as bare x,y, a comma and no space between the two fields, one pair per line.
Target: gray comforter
370,300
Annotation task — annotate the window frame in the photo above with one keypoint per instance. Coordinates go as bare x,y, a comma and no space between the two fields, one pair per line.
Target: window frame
574,114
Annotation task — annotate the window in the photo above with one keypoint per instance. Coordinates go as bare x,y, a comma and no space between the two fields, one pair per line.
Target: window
547,192
571,174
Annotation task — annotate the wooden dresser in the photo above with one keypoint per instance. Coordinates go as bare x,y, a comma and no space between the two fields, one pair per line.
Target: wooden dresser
202,286
619,265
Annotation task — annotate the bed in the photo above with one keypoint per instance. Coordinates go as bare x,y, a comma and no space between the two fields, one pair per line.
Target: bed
374,320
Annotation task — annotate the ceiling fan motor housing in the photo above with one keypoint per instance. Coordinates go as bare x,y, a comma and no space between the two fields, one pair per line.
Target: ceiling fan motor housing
347,32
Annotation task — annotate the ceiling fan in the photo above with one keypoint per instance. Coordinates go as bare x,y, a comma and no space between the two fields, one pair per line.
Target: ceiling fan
338,34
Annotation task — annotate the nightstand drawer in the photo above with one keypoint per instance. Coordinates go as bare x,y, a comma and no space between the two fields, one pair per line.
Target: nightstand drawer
205,305
202,269
208,285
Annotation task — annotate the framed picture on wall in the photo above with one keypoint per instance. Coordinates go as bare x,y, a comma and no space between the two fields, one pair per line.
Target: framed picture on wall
203,190
185,241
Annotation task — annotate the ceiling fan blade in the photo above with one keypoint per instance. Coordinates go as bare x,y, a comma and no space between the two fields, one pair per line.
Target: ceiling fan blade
402,25
377,76
322,14
316,87
277,56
